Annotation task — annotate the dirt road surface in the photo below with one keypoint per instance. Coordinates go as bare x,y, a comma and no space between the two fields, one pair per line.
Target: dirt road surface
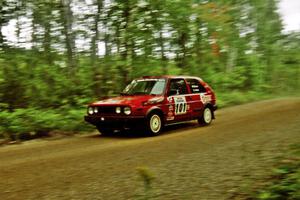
188,161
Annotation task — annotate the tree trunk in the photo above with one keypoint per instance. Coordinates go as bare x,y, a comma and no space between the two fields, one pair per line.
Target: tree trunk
67,20
94,52
1,36
125,54
162,53
47,43
197,45
182,44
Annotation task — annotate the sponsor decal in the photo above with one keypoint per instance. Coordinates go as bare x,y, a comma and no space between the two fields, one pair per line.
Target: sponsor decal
112,101
115,100
170,116
205,98
180,105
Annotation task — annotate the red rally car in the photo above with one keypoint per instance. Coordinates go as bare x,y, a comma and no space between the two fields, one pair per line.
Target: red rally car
151,102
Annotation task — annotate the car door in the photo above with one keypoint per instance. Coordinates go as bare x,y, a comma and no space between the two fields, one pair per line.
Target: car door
197,98
178,101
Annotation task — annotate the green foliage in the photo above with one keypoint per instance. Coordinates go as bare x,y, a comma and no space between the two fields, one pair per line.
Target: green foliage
285,182
39,122
236,97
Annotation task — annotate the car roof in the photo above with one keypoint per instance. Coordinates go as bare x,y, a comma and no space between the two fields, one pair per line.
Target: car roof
170,77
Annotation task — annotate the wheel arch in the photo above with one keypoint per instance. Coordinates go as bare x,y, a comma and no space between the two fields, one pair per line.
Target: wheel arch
157,110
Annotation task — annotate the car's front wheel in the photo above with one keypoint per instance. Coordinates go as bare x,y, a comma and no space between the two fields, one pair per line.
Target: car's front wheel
154,124
206,117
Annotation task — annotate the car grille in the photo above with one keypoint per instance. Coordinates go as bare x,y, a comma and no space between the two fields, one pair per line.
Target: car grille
106,110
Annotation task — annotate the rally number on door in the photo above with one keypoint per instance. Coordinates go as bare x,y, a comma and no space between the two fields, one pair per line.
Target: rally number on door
180,105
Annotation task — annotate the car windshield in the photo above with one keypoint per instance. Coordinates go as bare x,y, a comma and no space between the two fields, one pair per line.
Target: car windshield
145,87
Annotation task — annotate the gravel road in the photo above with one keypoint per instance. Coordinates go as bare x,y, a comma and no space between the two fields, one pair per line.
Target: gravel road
189,162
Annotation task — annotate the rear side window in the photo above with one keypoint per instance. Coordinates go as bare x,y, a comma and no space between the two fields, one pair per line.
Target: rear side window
195,86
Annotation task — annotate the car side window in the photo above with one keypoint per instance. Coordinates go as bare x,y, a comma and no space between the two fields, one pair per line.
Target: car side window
177,87
195,86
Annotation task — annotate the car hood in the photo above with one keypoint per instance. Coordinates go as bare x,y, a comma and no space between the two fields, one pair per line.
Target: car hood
125,100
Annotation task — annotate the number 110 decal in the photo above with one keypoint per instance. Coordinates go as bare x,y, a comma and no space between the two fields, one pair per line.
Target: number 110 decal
180,105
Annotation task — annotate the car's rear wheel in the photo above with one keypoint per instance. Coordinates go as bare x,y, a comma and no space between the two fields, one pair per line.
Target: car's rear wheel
206,117
154,124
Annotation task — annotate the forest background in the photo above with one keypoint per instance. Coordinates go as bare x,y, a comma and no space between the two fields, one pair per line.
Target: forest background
67,53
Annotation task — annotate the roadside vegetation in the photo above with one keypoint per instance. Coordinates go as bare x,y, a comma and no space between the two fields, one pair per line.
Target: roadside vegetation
285,182
65,54
147,178
31,123
282,183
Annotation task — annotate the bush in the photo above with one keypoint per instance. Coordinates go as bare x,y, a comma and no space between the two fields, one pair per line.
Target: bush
235,97
39,122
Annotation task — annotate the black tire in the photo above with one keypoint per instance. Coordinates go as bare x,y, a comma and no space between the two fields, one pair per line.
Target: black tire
154,124
206,117
105,131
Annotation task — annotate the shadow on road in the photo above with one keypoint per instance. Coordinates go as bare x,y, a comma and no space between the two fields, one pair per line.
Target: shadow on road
141,134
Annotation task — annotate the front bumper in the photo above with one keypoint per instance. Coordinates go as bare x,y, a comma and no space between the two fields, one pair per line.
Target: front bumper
116,122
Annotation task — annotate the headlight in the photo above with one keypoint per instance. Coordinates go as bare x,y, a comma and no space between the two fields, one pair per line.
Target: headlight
95,110
90,110
127,110
118,110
